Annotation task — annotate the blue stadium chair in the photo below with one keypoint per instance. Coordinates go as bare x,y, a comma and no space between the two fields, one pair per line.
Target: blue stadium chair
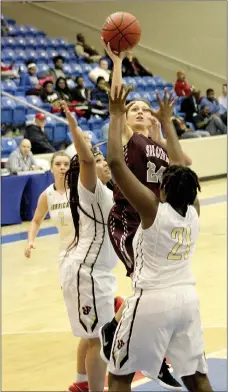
34,101
11,21
18,139
52,43
70,47
49,128
88,82
20,92
62,43
8,106
67,69
42,70
146,95
42,55
52,53
133,96
76,69
31,55
31,31
130,81
8,145
41,43
20,43
12,31
60,133
30,43
8,42
8,55
64,54
9,86
20,54
19,113
93,138
21,30
153,97
86,68
71,84
141,84
150,83
21,66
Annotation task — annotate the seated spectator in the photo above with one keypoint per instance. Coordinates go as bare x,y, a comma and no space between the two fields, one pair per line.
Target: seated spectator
190,105
31,81
132,67
211,123
63,90
182,88
4,27
100,71
82,49
38,138
22,159
8,72
48,94
211,102
99,95
183,132
57,71
80,93
223,98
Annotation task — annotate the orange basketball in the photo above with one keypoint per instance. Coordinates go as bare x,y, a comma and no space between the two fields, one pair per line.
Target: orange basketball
122,31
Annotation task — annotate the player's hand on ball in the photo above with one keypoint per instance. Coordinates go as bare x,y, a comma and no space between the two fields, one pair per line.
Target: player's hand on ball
114,56
28,249
117,105
71,119
166,105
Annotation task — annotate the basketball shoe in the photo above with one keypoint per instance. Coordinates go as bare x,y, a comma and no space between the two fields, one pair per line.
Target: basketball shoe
79,387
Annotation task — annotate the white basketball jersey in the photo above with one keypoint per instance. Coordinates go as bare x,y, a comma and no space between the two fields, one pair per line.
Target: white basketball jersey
163,252
60,213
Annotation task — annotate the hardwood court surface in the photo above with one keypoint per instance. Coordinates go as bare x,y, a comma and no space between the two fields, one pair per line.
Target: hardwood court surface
38,350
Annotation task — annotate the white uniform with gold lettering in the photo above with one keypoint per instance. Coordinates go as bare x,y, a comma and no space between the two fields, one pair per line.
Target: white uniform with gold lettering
87,281
162,318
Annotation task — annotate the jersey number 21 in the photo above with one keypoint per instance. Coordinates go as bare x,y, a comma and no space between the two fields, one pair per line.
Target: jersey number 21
182,235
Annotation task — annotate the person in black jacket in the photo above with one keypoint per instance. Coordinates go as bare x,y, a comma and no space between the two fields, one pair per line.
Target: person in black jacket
190,105
35,133
80,93
132,66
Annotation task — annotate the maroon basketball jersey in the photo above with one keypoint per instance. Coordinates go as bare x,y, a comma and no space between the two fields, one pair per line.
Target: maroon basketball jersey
146,160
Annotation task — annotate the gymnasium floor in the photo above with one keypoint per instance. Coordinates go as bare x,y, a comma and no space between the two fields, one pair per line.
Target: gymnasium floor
38,350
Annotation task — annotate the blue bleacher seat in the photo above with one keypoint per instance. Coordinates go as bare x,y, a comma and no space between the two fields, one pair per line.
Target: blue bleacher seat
42,55
12,31
76,69
67,69
8,42
20,54
60,133
9,86
31,55
52,43
64,54
30,43
20,43
8,145
8,106
52,53
103,149
34,100
41,42
8,55
18,139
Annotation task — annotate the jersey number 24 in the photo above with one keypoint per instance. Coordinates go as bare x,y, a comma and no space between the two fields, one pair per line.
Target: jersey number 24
182,235
152,174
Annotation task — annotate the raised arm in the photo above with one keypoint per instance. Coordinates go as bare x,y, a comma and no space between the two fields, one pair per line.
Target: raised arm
140,197
164,115
88,174
40,213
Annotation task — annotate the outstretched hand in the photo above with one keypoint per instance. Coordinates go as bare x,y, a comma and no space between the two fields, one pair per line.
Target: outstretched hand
71,119
166,105
117,105
113,55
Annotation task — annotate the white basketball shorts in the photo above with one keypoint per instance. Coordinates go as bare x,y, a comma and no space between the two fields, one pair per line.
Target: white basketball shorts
159,324
89,299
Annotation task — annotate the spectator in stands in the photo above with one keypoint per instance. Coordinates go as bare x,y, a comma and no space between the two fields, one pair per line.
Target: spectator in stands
182,88
183,132
80,93
4,27
63,90
31,81
82,49
48,94
131,66
211,102
35,133
209,122
190,105
8,71
57,71
100,71
100,93
223,98
22,159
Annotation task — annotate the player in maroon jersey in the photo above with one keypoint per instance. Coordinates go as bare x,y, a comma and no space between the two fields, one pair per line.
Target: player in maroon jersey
146,156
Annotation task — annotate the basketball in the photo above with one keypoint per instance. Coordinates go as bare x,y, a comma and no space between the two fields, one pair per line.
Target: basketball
122,31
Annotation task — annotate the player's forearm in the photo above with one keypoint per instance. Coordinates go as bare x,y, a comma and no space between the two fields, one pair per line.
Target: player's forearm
173,146
84,152
115,150
33,231
117,79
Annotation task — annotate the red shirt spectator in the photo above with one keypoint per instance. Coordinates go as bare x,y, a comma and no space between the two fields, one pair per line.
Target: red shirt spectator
182,88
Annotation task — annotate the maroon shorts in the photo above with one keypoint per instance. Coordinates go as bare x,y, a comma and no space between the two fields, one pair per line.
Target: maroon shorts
123,223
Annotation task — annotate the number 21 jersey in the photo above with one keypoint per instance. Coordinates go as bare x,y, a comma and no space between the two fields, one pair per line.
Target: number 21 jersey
163,251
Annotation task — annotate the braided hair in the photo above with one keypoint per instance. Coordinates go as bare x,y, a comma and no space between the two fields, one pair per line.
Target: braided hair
180,184
71,182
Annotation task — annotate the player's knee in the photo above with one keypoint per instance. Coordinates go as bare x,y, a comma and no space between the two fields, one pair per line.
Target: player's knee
95,342
119,383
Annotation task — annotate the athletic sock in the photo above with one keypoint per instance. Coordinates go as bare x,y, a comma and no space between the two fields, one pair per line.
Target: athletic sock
81,377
